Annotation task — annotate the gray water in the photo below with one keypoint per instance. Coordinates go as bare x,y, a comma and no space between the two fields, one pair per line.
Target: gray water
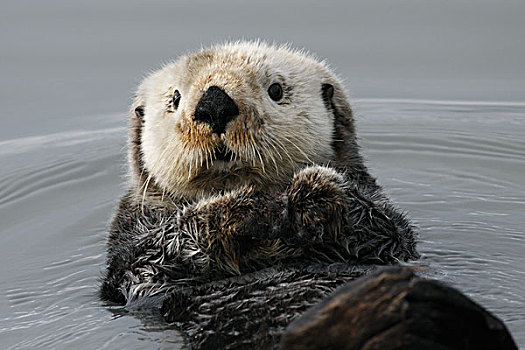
438,92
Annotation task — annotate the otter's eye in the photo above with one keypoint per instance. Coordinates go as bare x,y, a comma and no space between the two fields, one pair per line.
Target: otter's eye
275,91
176,99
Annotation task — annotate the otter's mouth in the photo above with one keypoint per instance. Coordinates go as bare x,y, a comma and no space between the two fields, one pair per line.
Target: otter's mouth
223,153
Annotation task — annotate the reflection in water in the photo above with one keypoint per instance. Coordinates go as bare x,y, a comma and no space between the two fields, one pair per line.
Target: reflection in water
456,167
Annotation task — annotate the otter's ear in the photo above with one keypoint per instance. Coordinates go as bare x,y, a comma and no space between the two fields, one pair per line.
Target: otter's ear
327,91
139,112
136,121
344,141
136,112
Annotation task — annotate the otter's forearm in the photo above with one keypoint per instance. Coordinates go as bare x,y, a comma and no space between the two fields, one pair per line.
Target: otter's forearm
375,230
231,229
332,214
147,248
212,238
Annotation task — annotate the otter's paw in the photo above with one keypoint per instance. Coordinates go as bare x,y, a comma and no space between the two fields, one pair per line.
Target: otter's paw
317,202
243,213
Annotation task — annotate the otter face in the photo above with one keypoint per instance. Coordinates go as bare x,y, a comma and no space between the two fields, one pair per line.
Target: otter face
233,115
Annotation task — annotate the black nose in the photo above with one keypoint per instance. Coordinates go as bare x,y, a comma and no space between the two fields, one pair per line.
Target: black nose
217,109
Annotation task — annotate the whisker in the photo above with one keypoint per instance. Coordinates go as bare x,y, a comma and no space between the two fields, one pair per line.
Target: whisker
284,149
271,156
290,140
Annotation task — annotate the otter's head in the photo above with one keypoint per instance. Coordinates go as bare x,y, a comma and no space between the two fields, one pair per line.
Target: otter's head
237,114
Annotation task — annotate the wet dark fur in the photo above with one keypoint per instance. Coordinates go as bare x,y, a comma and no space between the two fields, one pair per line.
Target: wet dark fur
233,270
252,310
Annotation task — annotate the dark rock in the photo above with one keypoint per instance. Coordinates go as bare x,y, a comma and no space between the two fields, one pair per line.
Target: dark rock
395,309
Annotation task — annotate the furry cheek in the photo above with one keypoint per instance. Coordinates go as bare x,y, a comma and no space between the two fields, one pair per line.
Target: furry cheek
195,136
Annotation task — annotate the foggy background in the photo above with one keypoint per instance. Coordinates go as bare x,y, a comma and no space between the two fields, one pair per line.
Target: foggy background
62,61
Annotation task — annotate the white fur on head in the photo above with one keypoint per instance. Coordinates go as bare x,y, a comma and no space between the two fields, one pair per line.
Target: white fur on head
269,140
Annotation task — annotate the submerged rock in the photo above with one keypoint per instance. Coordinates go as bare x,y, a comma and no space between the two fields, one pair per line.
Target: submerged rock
395,309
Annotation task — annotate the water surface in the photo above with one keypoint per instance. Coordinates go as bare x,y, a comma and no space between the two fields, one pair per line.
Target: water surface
457,168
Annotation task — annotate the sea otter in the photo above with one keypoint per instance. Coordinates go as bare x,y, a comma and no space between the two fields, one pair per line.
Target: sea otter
246,185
